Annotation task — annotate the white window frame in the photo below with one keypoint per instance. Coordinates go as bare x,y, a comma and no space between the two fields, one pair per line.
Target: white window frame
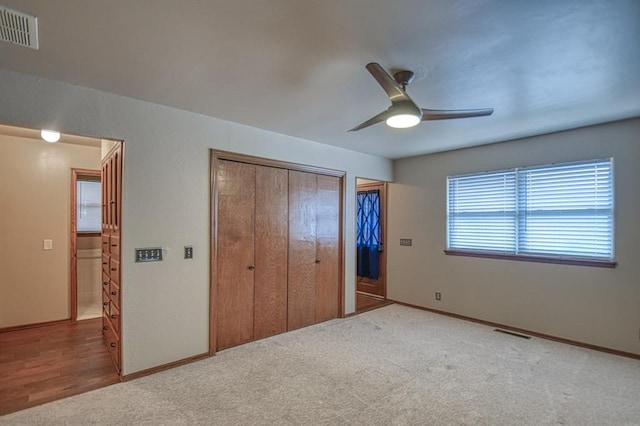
94,210
466,243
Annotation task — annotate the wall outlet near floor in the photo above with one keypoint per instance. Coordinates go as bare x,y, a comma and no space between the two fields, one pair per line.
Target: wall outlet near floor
438,295
188,252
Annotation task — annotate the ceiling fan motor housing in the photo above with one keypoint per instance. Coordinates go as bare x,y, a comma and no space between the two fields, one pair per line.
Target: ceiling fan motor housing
404,78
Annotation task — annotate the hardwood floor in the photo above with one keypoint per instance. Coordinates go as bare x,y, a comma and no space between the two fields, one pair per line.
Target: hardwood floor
43,364
365,302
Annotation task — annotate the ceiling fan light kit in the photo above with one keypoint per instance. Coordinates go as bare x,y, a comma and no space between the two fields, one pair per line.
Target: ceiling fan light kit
403,121
404,112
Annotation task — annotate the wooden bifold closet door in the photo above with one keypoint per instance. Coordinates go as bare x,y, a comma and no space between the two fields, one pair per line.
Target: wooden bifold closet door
278,257
252,260
314,207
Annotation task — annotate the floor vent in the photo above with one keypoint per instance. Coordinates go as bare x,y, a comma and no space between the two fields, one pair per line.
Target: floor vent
18,28
511,333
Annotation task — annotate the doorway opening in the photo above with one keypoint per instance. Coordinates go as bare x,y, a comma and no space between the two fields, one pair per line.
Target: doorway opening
86,251
38,179
371,257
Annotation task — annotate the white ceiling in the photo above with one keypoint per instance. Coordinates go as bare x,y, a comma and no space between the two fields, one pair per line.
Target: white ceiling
297,67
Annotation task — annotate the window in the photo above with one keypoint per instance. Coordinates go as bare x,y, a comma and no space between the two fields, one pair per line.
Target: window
89,206
558,210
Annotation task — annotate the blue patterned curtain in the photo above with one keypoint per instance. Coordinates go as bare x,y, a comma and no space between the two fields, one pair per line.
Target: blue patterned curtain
368,233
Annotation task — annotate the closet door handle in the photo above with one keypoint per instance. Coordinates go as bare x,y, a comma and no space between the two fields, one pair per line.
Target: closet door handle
105,303
104,327
317,260
113,345
105,283
114,293
251,267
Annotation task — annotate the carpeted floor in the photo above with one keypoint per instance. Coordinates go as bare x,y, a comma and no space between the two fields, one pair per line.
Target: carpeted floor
391,366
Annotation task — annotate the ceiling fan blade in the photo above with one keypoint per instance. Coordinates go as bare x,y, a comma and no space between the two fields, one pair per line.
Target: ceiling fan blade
373,120
434,114
389,85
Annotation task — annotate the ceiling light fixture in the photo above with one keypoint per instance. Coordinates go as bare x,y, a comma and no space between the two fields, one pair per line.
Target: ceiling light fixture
403,115
403,121
50,136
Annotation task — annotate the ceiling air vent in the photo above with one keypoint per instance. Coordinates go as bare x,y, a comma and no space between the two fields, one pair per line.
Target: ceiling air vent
18,28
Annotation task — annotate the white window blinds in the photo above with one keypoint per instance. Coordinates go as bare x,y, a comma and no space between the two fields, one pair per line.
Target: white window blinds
563,210
89,206
482,211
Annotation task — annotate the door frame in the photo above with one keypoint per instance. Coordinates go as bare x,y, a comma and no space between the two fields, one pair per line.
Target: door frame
215,157
383,213
76,175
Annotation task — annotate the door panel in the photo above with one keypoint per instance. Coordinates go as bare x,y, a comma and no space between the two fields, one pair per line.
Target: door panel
372,283
328,236
116,171
271,223
236,198
302,249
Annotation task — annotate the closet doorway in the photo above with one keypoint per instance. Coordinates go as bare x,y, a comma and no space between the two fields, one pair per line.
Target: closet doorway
371,256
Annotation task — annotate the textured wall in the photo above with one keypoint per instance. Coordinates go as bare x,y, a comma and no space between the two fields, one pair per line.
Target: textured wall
35,179
592,305
166,200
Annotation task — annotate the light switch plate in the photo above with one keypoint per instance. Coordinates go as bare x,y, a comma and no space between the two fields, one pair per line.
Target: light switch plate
406,241
47,245
153,254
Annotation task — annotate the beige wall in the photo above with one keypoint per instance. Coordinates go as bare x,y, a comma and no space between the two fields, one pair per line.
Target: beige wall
592,305
166,201
34,189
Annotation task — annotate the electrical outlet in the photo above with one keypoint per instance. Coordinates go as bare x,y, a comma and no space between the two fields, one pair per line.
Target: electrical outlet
405,242
188,252
438,295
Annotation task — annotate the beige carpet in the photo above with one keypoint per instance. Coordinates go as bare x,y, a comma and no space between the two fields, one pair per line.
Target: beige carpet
391,366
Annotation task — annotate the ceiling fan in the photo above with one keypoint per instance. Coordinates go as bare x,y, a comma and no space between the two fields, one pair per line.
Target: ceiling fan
403,111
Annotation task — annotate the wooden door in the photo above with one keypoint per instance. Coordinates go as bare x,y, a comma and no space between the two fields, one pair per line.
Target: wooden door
301,306
327,248
235,266
271,234
116,183
105,198
108,191
369,280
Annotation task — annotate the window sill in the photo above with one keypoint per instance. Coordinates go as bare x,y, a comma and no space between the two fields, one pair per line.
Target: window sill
89,234
538,259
